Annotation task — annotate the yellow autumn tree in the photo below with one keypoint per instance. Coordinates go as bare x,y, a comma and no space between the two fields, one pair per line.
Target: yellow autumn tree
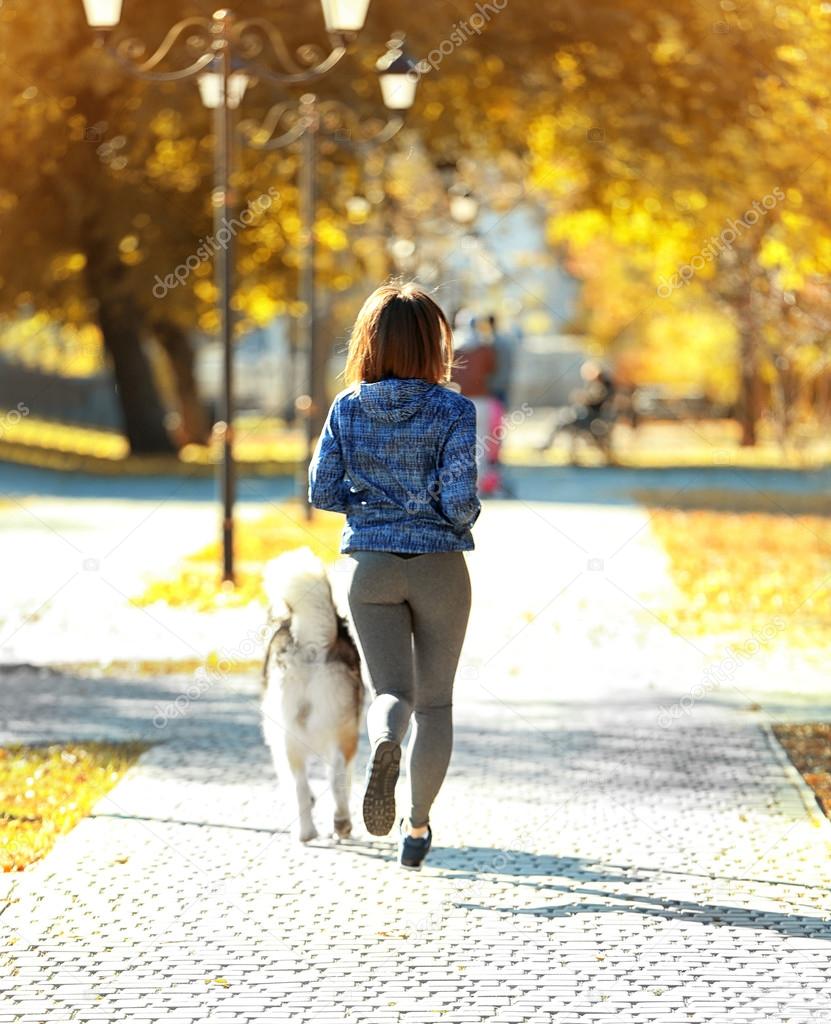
715,232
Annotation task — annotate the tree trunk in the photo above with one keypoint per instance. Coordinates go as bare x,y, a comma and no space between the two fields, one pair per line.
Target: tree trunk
120,321
179,350
748,390
749,397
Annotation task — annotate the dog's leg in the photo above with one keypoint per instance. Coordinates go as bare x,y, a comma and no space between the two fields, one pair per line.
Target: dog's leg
340,777
305,801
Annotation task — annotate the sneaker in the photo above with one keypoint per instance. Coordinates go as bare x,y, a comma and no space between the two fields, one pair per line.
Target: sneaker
379,794
412,851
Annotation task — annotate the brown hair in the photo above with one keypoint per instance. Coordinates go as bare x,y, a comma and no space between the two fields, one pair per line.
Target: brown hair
400,332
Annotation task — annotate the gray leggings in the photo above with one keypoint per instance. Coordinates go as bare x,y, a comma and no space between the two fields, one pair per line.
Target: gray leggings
411,615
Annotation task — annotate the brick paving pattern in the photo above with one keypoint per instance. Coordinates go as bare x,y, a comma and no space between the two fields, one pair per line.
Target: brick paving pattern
592,862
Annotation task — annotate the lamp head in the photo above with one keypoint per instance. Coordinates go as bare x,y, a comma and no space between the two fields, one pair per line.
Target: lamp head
210,88
344,17
102,13
399,75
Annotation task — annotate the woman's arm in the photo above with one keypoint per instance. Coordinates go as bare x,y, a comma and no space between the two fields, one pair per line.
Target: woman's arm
328,488
457,472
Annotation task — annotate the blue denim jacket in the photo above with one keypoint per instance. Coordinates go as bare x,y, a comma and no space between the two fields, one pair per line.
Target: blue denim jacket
399,458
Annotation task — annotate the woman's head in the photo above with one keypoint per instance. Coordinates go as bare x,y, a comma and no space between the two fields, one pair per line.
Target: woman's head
400,332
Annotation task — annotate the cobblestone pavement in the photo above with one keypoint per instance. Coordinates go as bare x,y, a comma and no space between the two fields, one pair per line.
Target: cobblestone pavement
615,840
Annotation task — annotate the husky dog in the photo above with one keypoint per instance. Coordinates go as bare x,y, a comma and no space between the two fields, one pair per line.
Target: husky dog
312,684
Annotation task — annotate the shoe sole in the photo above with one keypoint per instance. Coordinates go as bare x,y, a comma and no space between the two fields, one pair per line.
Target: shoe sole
379,796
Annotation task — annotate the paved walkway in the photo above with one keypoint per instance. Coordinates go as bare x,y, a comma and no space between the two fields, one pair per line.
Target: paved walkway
615,840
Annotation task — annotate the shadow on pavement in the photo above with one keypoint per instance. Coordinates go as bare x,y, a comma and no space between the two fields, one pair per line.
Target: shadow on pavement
598,760
540,874
789,925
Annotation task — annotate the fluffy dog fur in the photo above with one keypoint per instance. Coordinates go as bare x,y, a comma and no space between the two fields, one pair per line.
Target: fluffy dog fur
313,689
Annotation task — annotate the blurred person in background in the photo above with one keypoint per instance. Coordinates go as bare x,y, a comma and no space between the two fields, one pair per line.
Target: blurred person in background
473,368
502,376
599,392
593,411
500,392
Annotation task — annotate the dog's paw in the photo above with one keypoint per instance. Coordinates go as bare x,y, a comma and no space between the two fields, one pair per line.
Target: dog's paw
306,835
343,828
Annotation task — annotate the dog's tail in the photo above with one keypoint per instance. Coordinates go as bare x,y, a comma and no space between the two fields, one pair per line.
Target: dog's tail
296,582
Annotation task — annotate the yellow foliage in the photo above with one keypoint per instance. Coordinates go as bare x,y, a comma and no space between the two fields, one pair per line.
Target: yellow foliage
261,307
67,264
630,218
66,350
63,438
331,236
45,791
686,351
167,123
791,54
197,584
738,572
774,253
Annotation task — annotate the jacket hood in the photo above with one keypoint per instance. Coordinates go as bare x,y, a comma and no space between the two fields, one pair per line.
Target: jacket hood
393,400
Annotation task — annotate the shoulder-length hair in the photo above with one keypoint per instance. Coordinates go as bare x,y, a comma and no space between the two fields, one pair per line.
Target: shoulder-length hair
400,332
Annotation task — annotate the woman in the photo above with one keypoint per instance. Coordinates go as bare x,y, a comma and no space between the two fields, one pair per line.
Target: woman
473,375
397,455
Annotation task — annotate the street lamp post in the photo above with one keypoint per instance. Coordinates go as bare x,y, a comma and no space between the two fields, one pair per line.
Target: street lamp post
228,54
284,125
308,330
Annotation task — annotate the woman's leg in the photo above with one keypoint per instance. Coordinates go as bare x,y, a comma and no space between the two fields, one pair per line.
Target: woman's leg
384,625
439,595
